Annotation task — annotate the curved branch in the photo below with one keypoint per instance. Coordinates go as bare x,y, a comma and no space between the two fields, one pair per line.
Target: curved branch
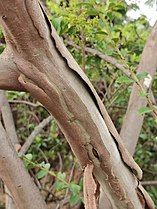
105,57
36,131
8,118
8,73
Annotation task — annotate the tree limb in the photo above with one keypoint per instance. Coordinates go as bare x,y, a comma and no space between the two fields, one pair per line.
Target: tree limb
132,123
11,132
15,176
149,183
36,131
9,74
105,57
108,59
8,118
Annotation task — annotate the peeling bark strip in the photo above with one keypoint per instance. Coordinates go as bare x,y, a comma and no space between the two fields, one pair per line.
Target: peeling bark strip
74,67
89,188
47,70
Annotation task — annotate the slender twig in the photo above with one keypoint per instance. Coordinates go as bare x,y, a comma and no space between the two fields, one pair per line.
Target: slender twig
26,102
67,190
115,98
36,131
113,62
107,58
149,183
43,154
60,161
134,77
83,50
51,173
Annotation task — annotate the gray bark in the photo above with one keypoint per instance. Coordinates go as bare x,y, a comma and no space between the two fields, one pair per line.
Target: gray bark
132,123
11,132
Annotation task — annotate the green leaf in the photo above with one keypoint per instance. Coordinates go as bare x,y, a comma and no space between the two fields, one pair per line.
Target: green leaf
101,32
115,39
46,166
57,24
124,52
93,12
142,75
144,110
110,52
142,94
155,107
64,27
119,7
85,4
74,188
42,164
74,199
61,175
41,174
124,79
29,156
71,30
59,185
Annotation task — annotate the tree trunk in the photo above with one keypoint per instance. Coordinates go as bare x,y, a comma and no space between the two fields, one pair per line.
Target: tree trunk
46,69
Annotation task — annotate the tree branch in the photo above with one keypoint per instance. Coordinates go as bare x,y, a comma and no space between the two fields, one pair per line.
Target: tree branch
36,131
11,132
149,183
9,74
105,57
15,176
8,118
132,123
26,103
108,59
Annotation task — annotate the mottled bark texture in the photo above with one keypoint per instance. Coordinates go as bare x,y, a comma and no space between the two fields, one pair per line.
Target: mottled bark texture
44,67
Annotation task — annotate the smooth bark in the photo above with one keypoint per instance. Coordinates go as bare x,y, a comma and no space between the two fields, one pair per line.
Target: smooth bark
16,178
11,132
132,123
49,73
8,171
